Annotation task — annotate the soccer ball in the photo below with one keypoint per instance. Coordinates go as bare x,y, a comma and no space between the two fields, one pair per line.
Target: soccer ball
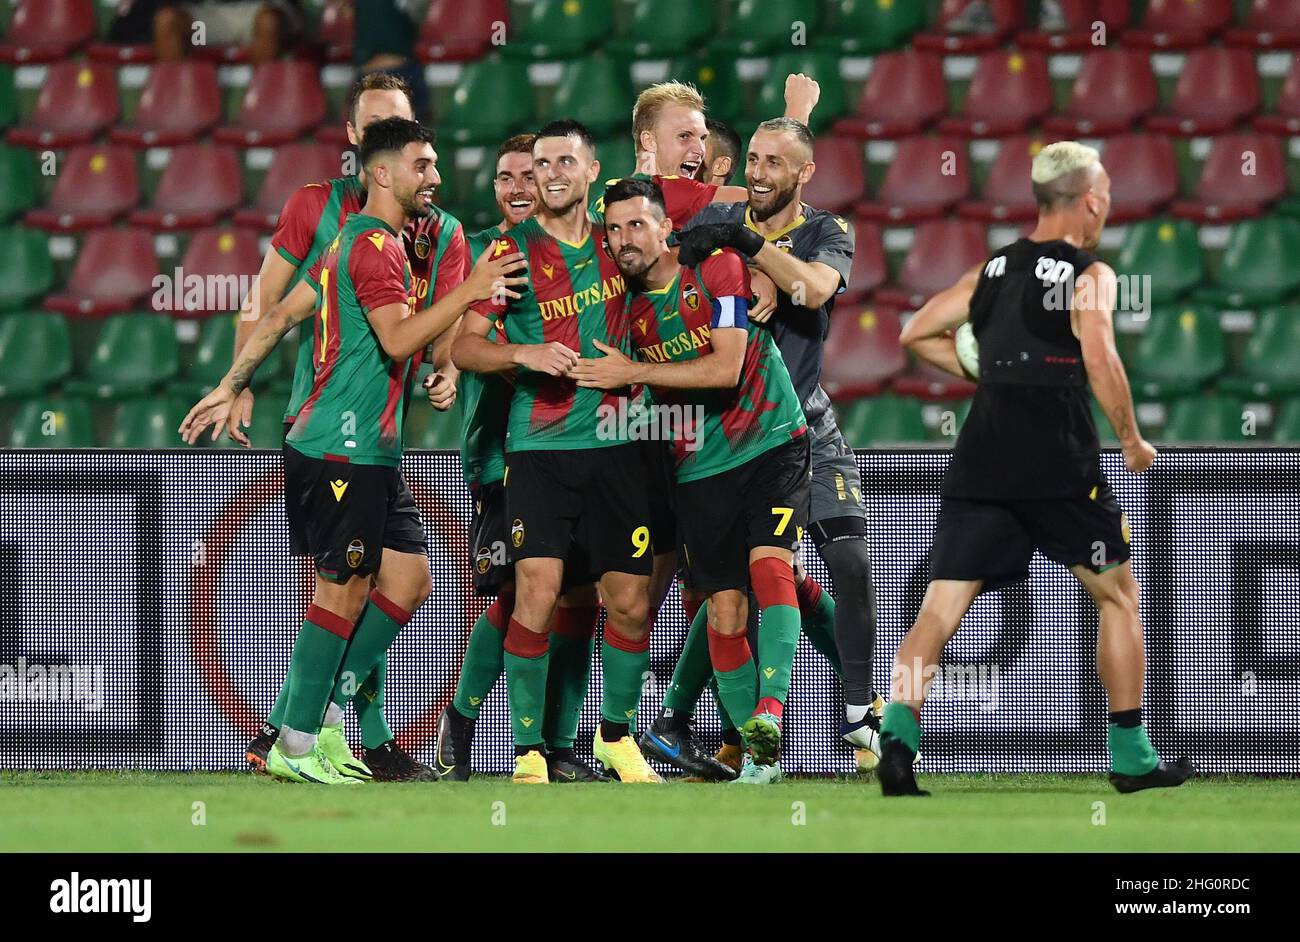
968,350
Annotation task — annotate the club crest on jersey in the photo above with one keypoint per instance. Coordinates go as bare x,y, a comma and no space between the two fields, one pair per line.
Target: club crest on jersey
423,246
691,297
483,560
356,553
785,243
517,533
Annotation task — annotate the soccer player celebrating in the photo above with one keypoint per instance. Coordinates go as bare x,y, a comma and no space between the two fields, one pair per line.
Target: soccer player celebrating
742,465
721,153
343,451
1025,473
568,482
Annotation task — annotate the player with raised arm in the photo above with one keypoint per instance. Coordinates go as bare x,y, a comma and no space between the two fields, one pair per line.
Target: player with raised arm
1025,473
742,463
343,451
570,482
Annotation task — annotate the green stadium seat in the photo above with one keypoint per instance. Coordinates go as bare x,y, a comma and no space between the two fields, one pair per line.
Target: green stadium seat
267,430
1167,250
1204,419
19,188
35,352
478,208
617,157
53,422
213,354
149,422
1286,427
134,354
820,65
758,27
1271,363
430,430
662,28
865,26
8,97
559,29
26,269
596,88
718,82
1180,350
882,420
492,100
1258,265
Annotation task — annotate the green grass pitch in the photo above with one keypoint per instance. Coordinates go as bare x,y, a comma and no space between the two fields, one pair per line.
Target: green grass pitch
140,811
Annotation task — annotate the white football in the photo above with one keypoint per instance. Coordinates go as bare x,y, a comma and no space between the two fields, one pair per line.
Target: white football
968,350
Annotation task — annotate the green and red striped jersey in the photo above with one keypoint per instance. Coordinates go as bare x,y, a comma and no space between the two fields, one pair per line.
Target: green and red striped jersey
683,197
439,255
484,403
574,296
358,397
720,428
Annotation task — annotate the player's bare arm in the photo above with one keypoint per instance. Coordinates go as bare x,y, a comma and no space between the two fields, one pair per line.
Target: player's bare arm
801,95
719,369
474,352
929,332
272,282
1090,320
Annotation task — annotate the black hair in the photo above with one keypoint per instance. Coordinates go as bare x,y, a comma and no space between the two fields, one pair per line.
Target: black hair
630,188
392,134
568,127
726,135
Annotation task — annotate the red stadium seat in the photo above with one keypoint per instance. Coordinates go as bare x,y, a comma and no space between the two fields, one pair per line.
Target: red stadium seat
283,102
1179,24
840,180
120,53
47,30
337,28
1270,24
1009,92
293,166
942,251
927,176
201,184
1079,17
180,101
221,256
904,93
115,272
1225,191
870,270
1285,116
94,186
455,31
1008,194
1114,89
76,103
1007,18
862,351
930,382
1216,89
1143,175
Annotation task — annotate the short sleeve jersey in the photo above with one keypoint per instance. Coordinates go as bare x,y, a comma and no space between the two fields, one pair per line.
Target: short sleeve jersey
683,197
484,404
439,255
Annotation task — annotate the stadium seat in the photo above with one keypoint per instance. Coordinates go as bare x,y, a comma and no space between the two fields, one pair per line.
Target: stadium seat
95,185
487,105
8,97
840,179
862,351
1216,89
1008,193
213,354
718,82
1180,350
338,26
756,28
1225,191
115,271
1258,263
1079,17
870,269
1206,419
283,102
1143,175
880,421
267,430
942,251
1286,426
559,29
1269,365
227,260
1114,89
1269,24
1179,24
77,102
863,27
294,165
662,28
35,352
453,31
1285,116
931,384
26,269
1165,250
180,102
133,354
1008,92
596,88
53,422
120,53
903,95
19,184
430,430
201,184
818,64
148,422
47,30
1006,18
927,177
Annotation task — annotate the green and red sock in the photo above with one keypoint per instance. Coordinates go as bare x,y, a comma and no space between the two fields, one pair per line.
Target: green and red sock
484,657
573,639
526,658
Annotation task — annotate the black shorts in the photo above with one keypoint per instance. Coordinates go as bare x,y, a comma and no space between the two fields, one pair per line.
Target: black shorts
588,504
347,514
763,502
994,540
490,560
663,515
297,525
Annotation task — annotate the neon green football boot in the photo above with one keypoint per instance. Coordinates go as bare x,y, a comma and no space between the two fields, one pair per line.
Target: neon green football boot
335,747
762,734
312,767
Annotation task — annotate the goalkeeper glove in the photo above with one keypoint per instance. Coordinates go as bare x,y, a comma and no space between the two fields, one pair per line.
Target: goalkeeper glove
702,241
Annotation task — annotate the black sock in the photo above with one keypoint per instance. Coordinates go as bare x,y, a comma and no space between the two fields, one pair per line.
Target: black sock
672,721
842,544
612,732
563,754
524,750
455,717
1127,719
732,737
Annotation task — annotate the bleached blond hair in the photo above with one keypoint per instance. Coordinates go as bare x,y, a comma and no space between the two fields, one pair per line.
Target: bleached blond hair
651,103
1063,172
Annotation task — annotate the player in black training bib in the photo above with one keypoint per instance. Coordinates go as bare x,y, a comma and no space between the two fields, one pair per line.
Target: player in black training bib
1025,472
